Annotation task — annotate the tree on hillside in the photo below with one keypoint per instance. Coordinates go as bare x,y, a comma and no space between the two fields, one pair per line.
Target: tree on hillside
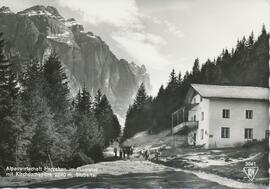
97,99
89,137
39,131
106,118
84,101
196,71
251,40
8,95
56,89
179,79
172,84
57,93
141,96
43,150
246,65
139,114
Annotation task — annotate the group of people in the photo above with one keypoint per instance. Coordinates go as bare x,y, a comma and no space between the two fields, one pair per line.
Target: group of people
124,152
145,153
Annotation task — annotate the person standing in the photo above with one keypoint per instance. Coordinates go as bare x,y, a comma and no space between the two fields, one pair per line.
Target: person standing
121,153
146,155
115,152
131,150
124,152
157,155
128,152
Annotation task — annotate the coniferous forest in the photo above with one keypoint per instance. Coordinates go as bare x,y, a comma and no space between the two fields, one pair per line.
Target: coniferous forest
245,65
42,125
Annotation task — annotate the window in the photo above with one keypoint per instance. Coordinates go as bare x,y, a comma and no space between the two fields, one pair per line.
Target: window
202,116
194,118
249,114
201,98
202,134
226,113
266,134
194,100
225,132
248,133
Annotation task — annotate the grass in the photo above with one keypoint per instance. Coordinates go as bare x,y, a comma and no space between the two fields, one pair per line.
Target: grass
230,170
21,181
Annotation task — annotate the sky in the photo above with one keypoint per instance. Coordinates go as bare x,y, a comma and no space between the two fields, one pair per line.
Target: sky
161,34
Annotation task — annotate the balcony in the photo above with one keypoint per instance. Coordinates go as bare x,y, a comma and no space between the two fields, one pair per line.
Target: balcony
189,124
181,115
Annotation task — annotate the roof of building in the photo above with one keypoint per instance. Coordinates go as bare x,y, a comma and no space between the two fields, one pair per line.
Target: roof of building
239,92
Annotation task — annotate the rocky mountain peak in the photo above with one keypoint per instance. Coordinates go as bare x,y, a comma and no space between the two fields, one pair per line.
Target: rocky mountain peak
71,22
86,58
5,10
53,11
143,68
39,10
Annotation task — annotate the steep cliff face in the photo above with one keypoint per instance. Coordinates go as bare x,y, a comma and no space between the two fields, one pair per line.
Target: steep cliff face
87,59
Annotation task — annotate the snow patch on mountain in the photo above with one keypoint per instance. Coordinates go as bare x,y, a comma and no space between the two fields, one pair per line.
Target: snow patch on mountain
40,10
91,36
70,22
66,37
5,10
59,35
88,58
38,13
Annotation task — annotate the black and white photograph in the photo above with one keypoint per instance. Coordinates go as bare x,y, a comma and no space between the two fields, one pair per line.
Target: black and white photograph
134,94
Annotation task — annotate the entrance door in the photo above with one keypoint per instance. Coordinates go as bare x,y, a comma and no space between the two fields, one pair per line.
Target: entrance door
194,139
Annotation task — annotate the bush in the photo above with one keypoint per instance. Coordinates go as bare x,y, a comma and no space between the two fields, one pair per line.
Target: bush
2,171
250,143
80,159
96,153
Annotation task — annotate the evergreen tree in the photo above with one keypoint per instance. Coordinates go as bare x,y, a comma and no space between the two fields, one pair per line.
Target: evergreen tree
245,65
84,101
161,91
141,96
20,142
56,89
179,79
8,95
43,150
98,98
39,127
57,93
105,119
89,137
172,84
251,40
139,114
196,71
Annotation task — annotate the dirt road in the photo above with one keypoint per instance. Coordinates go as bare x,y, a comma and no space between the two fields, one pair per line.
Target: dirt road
168,179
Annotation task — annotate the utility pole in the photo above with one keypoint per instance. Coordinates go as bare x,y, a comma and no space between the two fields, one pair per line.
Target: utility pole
183,114
172,132
172,129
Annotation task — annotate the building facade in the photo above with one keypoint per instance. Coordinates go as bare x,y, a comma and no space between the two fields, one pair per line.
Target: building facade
223,116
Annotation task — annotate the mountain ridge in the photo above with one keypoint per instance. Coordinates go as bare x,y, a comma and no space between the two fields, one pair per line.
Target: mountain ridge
87,59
